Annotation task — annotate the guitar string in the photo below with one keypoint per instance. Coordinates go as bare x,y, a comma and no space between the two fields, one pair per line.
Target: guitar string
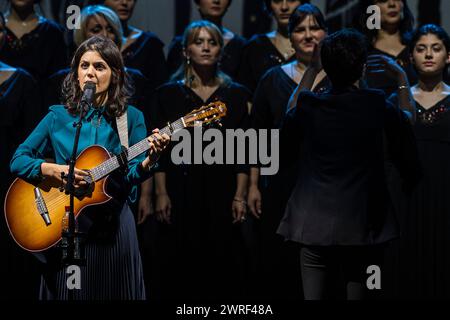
112,164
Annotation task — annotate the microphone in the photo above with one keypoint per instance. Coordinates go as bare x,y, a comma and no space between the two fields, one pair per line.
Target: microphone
88,93
42,208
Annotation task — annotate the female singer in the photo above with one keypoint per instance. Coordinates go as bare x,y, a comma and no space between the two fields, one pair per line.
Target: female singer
140,50
391,40
269,194
113,267
265,51
424,216
20,114
213,11
199,203
28,36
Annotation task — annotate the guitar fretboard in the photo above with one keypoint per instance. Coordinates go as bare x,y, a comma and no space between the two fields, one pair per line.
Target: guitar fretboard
142,146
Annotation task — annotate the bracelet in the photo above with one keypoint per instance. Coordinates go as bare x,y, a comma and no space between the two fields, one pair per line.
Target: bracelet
402,87
239,200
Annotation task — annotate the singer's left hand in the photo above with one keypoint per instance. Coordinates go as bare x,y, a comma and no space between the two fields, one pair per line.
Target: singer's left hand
157,143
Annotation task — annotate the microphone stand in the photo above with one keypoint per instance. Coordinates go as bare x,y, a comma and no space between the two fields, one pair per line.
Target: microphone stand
74,253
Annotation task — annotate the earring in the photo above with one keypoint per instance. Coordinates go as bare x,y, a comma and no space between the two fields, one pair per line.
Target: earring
188,61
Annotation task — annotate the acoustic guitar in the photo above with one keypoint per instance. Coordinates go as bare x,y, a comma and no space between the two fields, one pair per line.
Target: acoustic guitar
34,212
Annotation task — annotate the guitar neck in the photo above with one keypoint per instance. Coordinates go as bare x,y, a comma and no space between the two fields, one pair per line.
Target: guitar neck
142,146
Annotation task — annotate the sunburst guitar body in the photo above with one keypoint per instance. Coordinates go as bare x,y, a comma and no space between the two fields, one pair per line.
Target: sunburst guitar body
24,220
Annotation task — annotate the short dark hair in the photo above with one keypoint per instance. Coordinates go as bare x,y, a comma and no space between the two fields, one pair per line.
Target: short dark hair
119,89
344,54
429,29
405,27
268,7
302,12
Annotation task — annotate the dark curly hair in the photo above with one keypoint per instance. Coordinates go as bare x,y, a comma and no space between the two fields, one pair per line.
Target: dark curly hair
344,54
119,90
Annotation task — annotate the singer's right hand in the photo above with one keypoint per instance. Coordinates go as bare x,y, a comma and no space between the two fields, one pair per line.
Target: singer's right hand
52,172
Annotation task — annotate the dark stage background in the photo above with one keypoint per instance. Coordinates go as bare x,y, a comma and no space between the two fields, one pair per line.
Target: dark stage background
167,18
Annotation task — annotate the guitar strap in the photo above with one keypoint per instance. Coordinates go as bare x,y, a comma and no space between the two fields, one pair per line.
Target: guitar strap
122,128
121,125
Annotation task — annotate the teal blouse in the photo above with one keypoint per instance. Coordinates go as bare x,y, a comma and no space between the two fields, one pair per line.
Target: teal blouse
55,135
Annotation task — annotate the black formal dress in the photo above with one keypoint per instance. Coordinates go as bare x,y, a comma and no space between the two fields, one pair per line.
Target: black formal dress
41,52
146,55
229,63
21,110
279,260
200,253
383,82
258,57
421,254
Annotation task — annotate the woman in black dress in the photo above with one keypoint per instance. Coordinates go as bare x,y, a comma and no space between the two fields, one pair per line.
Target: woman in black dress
141,50
20,113
213,11
28,36
201,205
268,194
264,51
113,268
397,21
423,252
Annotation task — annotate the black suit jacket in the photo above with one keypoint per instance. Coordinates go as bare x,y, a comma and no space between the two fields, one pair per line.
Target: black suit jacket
341,196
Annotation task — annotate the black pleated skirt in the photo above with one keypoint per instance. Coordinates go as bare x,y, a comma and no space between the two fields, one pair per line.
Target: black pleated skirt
113,270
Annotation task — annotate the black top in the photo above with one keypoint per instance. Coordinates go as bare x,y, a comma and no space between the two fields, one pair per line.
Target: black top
21,110
272,96
341,196
201,239
258,57
146,55
20,113
41,52
229,63
173,100
385,83
139,99
424,215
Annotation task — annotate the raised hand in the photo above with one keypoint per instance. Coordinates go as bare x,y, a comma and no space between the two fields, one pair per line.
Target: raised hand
379,63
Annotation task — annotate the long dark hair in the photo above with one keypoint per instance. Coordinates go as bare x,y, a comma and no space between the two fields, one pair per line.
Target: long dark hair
406,25
119,89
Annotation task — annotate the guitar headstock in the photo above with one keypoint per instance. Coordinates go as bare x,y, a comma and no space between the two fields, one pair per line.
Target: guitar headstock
210,113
